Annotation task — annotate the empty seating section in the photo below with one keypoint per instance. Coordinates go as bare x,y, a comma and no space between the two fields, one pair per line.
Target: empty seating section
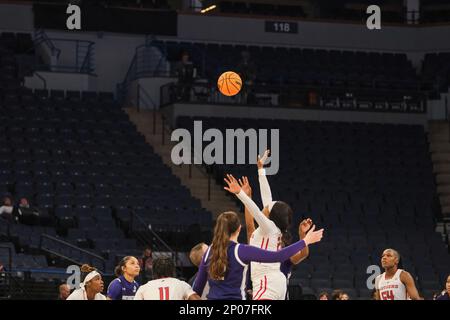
437,66
372,78
369,185
79,159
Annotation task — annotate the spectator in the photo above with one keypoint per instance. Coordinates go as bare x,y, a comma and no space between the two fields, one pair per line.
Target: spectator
344,296
445,295
247,70
185,72
6,210
146,264
339,295
324,296
25,213
64,292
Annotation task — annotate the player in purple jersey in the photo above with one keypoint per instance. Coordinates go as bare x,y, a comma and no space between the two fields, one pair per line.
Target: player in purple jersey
225,263
124,287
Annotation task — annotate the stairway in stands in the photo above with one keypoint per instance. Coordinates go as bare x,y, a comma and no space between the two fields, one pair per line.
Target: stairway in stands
194,178
439,138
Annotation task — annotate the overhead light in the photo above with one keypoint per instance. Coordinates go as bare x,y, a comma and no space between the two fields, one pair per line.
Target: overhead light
208,9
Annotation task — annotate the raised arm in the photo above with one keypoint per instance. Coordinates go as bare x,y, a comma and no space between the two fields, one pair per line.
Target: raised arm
249,223
304,226
248,254
266,194
202,275
266,225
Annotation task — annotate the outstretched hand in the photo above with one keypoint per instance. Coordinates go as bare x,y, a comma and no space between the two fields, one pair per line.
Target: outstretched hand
245,185
233,185
313,236
263,159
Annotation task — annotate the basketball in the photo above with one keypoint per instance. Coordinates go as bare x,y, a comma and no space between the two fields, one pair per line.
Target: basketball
229,83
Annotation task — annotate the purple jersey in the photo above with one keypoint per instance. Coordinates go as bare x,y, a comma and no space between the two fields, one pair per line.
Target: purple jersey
232,287
445,296
121,289
286,268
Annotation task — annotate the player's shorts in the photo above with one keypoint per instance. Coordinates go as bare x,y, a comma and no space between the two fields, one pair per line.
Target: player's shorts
271,286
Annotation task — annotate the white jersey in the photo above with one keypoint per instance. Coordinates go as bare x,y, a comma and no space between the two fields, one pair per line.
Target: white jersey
268,280
80,294
164,289
270,242
391,289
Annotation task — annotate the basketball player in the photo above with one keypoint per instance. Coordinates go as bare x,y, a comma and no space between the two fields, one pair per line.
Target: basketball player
91,287
165,287
196,255
305,225
124,287
271,234
394,283
224,265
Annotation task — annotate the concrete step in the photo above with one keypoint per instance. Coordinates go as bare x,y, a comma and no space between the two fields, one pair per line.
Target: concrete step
438,137
441,168
440,147
438,126
443,179
446,211
443,189
444,200
440,157
219,201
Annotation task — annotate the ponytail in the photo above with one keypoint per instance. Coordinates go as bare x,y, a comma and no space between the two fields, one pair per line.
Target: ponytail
286,238
227,223
281,214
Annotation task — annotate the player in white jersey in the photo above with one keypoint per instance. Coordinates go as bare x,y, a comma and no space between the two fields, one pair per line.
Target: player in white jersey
165,287
269,283
394,283
304,226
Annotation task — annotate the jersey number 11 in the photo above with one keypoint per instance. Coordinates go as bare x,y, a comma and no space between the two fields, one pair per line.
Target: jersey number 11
164,293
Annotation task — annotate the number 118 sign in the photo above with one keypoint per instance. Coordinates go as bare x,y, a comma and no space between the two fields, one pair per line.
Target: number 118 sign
281,27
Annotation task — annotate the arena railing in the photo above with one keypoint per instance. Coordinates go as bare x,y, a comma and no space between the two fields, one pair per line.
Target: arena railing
48,249
297,96
78,55
144,232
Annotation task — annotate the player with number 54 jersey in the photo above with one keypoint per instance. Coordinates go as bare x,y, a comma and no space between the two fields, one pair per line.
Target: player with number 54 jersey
394,283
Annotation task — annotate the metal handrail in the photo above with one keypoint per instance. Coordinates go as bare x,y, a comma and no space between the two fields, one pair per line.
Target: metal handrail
143,93
84,51
42,78
419,96
87,59
41,36
67,244
164,245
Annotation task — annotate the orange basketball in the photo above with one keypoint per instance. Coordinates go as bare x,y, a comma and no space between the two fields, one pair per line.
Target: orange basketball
229,83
